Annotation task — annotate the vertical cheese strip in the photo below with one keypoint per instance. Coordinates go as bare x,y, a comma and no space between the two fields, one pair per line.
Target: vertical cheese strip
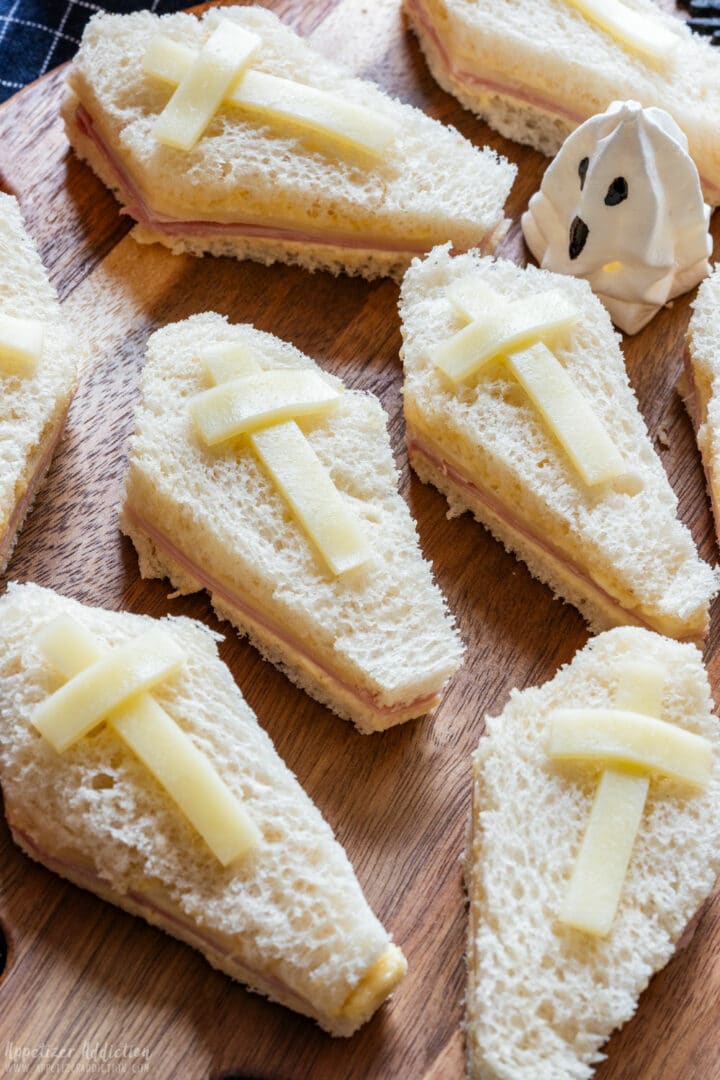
254,401
283,101
170,755
21,344
634,30
229,361
83,702
306,485
511,326
198,97
568,414
593,895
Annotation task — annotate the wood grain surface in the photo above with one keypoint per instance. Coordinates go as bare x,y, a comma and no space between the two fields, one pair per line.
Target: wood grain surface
81,971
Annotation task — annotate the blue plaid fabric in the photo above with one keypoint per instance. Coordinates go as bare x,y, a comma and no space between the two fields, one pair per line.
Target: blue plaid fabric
37,35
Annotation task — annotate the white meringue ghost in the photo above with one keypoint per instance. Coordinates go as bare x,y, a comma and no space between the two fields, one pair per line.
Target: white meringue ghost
622,206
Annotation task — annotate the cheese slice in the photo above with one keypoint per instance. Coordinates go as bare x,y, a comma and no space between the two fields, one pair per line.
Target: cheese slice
229,361
167,751
596,885
87,699
632,29
630,739
283,101
568,415
510,327
208,78
317,504
21,344
255,401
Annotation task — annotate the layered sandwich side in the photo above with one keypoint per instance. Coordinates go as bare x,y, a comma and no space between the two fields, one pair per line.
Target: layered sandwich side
543,996
289,918
621,556
257,189
537,87
376,644
34,405
702,382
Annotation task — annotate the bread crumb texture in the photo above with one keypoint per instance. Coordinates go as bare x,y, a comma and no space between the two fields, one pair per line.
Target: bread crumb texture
247,169
542,997
383,627
633,545
31,406
292,910
703,342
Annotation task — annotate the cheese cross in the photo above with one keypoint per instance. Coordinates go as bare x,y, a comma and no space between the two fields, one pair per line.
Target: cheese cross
262,404
512,330
150,732
630,28
21,344
224,62
634,744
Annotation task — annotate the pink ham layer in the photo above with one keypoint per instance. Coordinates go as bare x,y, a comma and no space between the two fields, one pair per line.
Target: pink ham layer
417,444
474,82
270,626
692,404
140,210
21,507
79,874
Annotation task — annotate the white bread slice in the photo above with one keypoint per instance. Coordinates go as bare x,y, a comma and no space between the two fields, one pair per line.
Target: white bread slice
701,385
338,214
377,644
33,407
289,919
619,558
542,998
535,69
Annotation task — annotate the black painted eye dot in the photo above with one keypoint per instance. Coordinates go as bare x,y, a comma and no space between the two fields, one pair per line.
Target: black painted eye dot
579,233
617,192
582,171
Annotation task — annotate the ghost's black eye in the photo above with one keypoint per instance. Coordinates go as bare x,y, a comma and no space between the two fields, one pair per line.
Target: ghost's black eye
617,192
582,171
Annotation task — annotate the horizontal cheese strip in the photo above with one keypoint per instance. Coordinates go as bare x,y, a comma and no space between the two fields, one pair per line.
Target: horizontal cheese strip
85,701
170,755
629,738
256,400
204,85
295,468
283,100
21,344
632,29
511,326
568,415
595,888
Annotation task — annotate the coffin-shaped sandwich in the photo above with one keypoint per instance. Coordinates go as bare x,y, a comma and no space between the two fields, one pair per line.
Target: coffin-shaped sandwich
38,372
519,409
595,837
255,475
701,385
132,766
230,135
535,69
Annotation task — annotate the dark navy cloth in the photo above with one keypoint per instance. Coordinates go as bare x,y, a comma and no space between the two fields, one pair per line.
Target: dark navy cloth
37,35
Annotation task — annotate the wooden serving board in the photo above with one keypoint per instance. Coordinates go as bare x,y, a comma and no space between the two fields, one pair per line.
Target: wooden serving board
80,971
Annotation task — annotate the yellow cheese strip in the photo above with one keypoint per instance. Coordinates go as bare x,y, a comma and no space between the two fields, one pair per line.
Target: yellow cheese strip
567,414
229,361
255,401
313,498
284,101
634,30
21,344
85,701
170,755
474,299
630,739
199,95
512,326
592,897
593,894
